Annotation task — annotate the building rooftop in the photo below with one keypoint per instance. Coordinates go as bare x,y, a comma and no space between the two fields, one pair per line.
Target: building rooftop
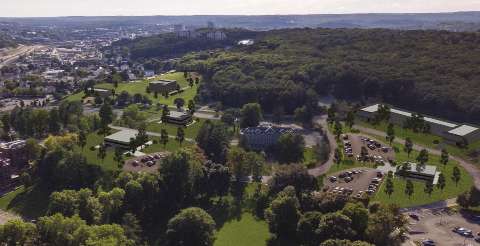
463,130
268,129
122,136
374,108
178,115
163,82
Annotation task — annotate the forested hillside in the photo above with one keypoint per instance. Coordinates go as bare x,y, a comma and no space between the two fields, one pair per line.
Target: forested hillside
431,71
170,46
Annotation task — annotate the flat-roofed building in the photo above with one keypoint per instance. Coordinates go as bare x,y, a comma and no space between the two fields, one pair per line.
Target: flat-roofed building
178,118
120,139
104,93
463,133
450,131
163,86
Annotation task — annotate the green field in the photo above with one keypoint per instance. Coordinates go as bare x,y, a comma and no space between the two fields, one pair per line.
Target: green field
191,131
141,87
31,202
244,232
419,197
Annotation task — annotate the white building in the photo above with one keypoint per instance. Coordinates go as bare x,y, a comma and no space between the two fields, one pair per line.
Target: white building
450,131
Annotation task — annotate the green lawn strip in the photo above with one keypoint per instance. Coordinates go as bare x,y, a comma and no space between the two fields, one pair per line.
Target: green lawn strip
172,146
31,202
419,197
191,131
242,232
349,164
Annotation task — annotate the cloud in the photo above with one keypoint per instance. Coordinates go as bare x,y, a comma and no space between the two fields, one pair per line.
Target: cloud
188,7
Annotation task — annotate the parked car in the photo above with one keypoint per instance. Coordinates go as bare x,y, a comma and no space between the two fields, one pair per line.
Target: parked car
428,242
348,179
414,216
333,179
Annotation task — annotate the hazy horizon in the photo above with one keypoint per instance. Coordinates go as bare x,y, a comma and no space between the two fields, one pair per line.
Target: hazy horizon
59,8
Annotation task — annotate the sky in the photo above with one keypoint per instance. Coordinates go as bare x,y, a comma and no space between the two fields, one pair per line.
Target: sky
40,8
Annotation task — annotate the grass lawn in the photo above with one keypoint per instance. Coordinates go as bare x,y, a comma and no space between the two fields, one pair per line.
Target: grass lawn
31,202
94,139
244,232
419,197
172,146
190,131
141,87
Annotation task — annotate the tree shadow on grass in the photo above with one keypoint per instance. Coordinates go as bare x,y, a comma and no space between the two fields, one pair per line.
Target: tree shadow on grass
32,202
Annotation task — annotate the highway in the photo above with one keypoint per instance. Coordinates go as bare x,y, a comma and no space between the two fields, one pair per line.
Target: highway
16,53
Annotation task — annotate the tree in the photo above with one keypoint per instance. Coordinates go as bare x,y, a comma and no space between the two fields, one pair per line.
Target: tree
331,114
336,225
444,157
359,216
350,119
191,227
179,102
6,122
389,187
191,106
54,121
102,152
82,139
26,179
164,137
304,115
290,148
409,188
428,188
441,181
165,112
306,228
132,228
283,214
390,133
106,116
408,146
337,156
363,153
337,129
31,149
456,175
180,135
251,115
17,232
422,157
214,140
118,156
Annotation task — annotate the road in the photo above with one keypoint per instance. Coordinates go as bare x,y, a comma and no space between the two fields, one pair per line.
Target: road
469,167
15,54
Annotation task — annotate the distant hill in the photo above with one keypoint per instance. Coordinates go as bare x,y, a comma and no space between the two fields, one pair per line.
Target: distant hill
434,72
437,21
169,45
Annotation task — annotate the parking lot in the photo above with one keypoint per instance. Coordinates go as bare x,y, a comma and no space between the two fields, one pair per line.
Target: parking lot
438,225
355,182
148,163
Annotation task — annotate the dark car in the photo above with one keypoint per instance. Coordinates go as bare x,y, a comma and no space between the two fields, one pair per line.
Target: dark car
428,242
414,216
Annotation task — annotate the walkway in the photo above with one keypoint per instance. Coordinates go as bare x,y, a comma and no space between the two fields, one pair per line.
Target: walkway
151,134
469,167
